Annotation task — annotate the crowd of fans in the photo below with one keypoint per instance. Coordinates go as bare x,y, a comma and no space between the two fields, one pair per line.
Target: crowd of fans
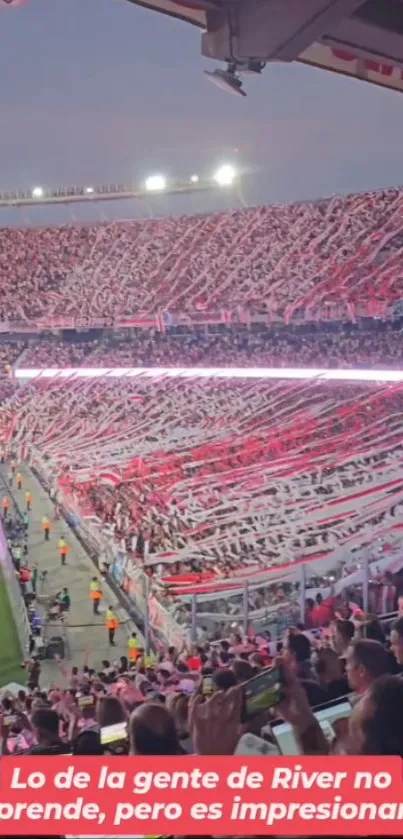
190,477
50,352
161,700
196,462
195,700
281,259
203,483
9,352
374,345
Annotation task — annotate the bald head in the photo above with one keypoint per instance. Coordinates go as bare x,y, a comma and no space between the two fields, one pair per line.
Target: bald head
152,731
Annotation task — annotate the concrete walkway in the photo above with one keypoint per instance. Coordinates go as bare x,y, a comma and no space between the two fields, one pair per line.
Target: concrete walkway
86,634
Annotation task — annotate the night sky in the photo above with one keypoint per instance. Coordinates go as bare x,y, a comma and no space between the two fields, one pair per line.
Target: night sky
98,91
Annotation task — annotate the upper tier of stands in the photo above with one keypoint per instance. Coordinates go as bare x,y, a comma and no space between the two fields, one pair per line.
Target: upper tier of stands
283,260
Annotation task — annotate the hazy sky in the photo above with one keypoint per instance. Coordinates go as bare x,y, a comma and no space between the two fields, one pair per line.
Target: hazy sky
99,91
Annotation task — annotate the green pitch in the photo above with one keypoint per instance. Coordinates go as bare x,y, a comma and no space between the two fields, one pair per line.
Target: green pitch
10,652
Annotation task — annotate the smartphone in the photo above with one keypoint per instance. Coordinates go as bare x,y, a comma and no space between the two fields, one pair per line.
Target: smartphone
85,701
262,692
114,733
207,686
18,742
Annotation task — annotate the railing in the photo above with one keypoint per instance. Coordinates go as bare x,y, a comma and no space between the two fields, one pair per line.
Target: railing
14,595
163,321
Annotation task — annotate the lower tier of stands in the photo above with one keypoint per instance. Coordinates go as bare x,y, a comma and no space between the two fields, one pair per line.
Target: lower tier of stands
194,487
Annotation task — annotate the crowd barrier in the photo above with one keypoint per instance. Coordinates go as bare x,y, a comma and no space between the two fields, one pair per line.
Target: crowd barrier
14,595
167,320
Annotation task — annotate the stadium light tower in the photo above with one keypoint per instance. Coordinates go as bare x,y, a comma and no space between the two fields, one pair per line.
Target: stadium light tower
156,183
194,179
225,175
37,192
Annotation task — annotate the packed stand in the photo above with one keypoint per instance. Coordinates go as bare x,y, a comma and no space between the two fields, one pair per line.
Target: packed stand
336,690
186,488
9,353
344,251
367,346
8,388
50,352
192,478
372,348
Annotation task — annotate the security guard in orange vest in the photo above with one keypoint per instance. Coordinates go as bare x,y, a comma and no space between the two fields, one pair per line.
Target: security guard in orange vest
6,505
19,480
28,500
133,645
46,528
63,550
112,624
95,595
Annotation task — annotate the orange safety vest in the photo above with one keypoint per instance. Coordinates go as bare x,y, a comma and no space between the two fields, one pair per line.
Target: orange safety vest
133,651
96,595
112,623
6,503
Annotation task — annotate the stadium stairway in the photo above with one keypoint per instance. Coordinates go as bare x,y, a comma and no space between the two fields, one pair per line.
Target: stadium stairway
85,634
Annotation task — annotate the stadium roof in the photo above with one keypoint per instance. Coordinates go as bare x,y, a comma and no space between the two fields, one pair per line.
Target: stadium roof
352,37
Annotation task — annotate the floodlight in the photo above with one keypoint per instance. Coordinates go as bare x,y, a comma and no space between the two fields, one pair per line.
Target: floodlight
226,80
156,183
194,179
89,190
225,175
37,192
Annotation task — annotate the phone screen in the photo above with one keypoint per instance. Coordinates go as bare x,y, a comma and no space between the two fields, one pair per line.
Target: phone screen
207,686
113,733
85,701
262,692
